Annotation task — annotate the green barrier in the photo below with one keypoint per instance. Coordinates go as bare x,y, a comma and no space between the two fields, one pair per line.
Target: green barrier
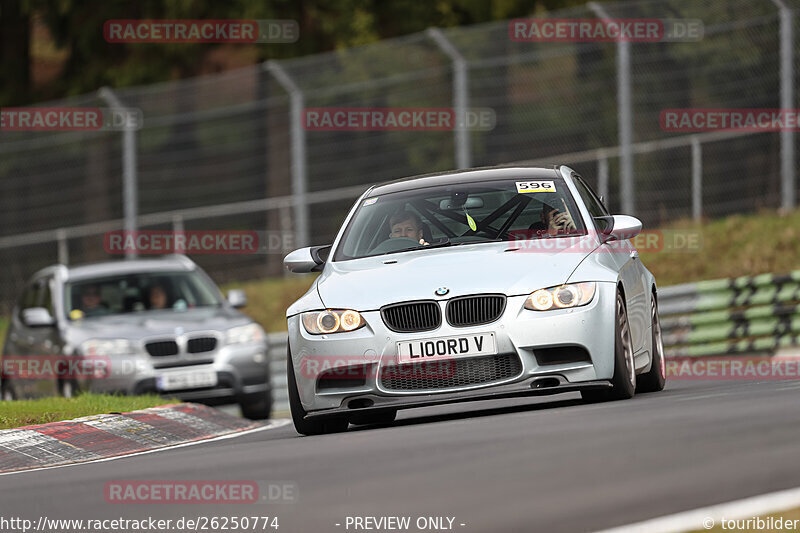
731,316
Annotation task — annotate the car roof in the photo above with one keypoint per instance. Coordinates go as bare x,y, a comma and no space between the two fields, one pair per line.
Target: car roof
109,268
465,176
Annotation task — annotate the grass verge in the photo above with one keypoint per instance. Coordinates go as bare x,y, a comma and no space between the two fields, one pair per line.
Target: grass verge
43,410
739,245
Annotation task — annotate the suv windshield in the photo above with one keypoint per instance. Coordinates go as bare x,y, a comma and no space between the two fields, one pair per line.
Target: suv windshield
140,292
503,210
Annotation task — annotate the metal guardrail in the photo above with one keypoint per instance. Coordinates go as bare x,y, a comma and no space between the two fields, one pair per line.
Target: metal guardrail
758,314
745,315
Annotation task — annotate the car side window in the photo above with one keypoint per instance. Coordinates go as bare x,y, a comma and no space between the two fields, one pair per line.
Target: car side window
596,208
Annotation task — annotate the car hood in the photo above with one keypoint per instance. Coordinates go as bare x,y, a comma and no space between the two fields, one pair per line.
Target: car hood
140,325
369,283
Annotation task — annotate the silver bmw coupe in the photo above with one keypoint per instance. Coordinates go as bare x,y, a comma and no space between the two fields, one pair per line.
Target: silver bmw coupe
471,285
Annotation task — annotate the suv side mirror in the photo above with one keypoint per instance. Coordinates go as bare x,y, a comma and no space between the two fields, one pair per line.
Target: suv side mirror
307,260
37,317
623,227
237,298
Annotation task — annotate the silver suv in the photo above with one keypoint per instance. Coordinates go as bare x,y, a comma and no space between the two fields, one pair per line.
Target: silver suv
160,325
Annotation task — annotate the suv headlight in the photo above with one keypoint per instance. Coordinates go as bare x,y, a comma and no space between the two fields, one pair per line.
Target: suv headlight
106,347
561,297
332,321
243,334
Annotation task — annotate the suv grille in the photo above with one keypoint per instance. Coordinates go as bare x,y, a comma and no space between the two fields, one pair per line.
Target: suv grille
410,317
201,344
162,348
475,310
450,373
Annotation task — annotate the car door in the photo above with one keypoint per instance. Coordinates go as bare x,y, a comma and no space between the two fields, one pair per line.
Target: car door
625,256
44,340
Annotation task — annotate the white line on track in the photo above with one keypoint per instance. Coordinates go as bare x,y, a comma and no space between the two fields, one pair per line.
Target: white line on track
708,517
273,424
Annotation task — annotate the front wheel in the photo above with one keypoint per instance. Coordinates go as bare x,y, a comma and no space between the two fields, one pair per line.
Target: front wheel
656,377
623,384
313,426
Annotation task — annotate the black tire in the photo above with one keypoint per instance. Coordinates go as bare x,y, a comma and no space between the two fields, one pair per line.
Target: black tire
259,408
7,392
374,417
655,378
312,426
623,384
68,388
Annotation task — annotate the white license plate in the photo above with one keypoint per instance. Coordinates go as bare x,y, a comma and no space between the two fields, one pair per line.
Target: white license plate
193,379
446,347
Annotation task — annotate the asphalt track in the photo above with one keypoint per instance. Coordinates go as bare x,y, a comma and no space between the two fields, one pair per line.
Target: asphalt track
536,464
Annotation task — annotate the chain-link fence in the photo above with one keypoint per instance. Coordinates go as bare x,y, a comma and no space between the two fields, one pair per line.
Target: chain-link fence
227,151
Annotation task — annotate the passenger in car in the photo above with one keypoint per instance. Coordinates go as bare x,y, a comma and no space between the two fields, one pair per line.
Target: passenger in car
553,221
157,296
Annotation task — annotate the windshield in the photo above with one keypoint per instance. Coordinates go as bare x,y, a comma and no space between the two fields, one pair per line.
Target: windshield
503,210
139,292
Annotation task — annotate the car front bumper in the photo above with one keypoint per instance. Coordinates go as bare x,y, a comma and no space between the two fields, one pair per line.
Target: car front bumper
521,332
242,371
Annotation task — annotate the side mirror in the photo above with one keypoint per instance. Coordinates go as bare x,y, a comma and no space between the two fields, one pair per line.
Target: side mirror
307,260
623,227
37,317
237,298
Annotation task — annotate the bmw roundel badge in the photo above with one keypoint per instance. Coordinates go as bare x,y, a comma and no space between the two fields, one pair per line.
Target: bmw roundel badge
441,291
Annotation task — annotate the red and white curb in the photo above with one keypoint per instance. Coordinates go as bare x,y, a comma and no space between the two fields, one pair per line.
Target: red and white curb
108,435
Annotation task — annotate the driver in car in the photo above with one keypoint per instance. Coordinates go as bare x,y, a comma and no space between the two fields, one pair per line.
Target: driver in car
406,224
91,303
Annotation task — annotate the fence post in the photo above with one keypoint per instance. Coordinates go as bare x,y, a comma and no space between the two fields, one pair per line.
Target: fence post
788,183
602,175
697,179
63,248
298,140
177,228
130,197
624,117
463,149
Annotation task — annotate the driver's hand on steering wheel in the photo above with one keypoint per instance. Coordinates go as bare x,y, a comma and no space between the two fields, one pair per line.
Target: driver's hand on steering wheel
422,242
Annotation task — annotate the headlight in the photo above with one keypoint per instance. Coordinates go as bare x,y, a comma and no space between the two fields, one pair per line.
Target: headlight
332,321
242,334
561,297
106,347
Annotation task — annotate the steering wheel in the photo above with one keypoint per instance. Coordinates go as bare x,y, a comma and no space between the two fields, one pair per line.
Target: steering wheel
394,244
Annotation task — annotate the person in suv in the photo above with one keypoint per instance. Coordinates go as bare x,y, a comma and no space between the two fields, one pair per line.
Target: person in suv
186,341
